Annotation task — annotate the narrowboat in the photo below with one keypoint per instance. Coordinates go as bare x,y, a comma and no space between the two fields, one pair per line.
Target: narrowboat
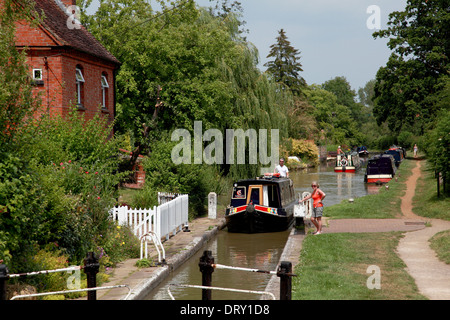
263,204
347,162
380,169
362,151
398,153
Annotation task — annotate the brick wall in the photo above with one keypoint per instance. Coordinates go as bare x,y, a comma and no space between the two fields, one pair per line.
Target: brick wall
28,36
58,91
92,70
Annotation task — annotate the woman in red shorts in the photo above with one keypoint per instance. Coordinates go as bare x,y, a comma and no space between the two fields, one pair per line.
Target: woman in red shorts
317,195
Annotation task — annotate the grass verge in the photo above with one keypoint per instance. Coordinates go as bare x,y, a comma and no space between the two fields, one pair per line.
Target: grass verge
425,202
334,267
440,243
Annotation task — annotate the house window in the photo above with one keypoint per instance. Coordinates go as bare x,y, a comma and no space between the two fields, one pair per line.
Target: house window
38,79
37,74
80,81
105,86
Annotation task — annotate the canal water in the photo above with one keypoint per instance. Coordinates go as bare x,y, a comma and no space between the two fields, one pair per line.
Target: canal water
256,251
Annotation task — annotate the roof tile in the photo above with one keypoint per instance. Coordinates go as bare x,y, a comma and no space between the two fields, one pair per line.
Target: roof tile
55,22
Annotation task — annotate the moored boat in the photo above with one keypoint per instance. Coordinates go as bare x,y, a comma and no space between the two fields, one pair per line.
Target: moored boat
347,162
380,169
263,204
398,153
362,151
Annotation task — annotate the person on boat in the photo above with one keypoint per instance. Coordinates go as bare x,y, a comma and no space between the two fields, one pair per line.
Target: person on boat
282,169
317,195
339,150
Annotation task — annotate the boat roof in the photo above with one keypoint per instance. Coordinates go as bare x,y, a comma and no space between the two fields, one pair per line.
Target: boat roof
382,155
264,180
381,158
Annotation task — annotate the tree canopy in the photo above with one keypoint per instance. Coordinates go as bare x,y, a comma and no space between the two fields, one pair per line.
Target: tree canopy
406,86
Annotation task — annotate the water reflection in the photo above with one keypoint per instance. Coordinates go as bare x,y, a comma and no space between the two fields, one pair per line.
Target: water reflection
337,185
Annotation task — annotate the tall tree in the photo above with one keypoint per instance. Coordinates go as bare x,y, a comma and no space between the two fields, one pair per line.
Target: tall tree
285,67
367,93
345,96
405,87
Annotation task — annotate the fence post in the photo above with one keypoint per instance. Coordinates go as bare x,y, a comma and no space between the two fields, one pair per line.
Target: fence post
3,278
285,273
206,268
91,268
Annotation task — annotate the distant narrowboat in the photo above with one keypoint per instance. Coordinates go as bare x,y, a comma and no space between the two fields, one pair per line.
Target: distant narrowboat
398,153
263,204
362,151
347,162
381,168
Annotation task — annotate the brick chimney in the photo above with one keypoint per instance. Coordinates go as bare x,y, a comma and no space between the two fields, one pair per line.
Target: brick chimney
69,2
64,4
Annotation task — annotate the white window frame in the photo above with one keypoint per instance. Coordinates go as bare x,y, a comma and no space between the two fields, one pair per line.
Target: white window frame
34,74
105,85
79,79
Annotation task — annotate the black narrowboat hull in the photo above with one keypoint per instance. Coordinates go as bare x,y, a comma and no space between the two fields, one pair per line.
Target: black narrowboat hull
254,221
263,204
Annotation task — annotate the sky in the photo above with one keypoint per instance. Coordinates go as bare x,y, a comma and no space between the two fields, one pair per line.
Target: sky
332,35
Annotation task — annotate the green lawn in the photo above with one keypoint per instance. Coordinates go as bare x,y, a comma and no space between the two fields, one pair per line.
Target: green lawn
334,267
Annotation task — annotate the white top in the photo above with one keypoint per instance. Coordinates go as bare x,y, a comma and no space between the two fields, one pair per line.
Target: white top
283,170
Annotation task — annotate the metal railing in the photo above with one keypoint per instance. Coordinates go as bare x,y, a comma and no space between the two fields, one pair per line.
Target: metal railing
219,289
207,267
152,237
71,291
91,268
34,273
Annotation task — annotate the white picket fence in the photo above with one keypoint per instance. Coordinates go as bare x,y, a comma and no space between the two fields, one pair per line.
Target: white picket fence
163,220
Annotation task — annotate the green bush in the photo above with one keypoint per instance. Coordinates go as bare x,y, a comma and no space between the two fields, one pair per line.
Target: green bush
305,150
196,180
384,142
58,185
37,259
406,139
116,244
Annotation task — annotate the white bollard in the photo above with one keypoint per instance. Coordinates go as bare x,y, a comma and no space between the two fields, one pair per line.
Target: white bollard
212,205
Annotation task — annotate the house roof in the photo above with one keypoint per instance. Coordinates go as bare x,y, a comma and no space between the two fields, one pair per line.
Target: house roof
55,22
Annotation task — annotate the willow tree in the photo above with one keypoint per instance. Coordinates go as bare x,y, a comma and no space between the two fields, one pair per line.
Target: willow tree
205,68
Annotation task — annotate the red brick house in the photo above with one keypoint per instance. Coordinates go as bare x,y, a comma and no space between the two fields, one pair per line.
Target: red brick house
68,65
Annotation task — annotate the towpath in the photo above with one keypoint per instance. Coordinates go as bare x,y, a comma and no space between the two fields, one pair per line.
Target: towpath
432,276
